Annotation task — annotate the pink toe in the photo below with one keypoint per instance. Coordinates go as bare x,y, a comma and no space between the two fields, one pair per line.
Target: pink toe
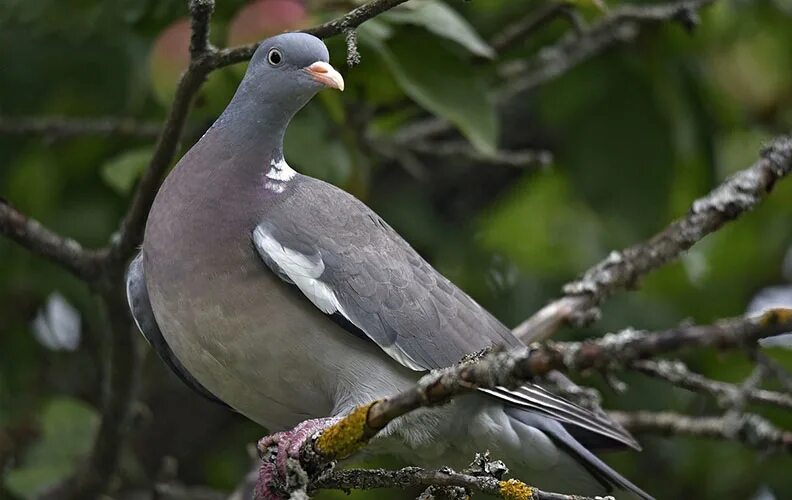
267,477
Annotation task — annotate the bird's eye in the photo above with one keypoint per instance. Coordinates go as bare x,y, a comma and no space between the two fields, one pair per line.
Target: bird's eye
275,57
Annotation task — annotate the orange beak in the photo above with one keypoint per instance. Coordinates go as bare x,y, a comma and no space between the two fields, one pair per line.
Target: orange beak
326,75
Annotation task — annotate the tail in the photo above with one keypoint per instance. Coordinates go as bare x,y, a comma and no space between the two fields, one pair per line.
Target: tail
605,475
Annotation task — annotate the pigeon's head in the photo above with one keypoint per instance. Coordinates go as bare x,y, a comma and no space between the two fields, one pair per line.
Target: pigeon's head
291,68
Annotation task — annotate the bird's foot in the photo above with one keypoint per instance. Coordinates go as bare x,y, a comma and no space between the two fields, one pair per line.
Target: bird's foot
280,471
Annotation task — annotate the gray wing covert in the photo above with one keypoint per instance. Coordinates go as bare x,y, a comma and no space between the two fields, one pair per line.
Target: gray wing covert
352,263
140,307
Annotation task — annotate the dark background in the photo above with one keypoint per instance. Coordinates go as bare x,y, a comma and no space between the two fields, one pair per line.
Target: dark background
637,133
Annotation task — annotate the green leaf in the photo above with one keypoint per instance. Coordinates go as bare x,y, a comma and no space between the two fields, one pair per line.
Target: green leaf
444,84
121,172
443,21
68,428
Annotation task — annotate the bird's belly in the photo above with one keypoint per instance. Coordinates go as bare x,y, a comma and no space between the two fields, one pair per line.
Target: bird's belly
263,349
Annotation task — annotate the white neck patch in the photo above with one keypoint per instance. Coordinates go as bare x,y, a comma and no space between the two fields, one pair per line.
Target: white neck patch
278,175
280,171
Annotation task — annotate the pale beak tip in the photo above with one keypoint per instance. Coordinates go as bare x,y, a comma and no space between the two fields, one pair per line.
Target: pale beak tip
325,74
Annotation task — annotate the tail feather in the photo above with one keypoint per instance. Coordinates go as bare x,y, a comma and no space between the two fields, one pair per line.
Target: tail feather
603,473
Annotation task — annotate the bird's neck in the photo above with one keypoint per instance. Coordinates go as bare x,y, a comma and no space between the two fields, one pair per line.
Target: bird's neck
252,128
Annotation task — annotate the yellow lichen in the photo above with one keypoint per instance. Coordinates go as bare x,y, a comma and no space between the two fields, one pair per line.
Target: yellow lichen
515,490
775,316
346,436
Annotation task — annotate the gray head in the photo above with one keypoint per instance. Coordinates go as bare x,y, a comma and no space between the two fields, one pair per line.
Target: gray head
287,70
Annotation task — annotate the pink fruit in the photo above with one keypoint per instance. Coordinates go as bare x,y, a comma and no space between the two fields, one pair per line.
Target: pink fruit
262,18
169,57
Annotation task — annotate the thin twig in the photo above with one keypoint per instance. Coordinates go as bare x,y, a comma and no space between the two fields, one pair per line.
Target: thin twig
57,128
678,374
348,21
620,26
582,44
524,28
622,269
749,429
463,150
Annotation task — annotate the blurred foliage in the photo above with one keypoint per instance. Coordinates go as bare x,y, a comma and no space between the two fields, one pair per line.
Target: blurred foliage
637,133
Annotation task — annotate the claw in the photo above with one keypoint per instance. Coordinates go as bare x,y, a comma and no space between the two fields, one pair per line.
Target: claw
273,482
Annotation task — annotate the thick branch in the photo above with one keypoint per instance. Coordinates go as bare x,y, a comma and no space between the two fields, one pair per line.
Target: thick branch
751,430
56,128
623,269
410,477
678,374
39,240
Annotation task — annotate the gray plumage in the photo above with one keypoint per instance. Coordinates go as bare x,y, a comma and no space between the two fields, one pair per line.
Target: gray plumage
277,294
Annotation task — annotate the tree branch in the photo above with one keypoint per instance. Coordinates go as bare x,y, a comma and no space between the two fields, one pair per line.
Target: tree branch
339,25
675,372
131,230
57,128
34,237
623,269
529,25
200,13
410,477
621,26
516,367
749,429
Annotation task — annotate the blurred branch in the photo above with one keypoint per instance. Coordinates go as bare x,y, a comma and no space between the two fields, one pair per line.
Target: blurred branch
675,372
622,25
410,477
530,24
405,153
623,269
463,150
34,237
775,369
57,128
749,429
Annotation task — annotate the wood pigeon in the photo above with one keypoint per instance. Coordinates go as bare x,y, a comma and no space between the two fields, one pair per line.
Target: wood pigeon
288,300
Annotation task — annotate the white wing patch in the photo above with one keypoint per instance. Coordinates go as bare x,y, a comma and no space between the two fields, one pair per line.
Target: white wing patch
303,270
